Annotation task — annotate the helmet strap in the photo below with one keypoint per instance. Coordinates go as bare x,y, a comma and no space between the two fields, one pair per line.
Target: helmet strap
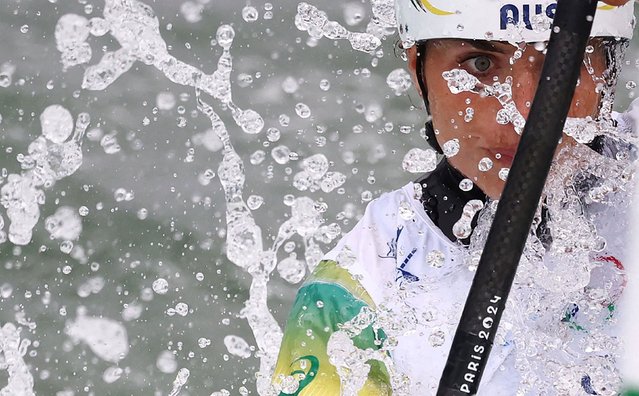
429,133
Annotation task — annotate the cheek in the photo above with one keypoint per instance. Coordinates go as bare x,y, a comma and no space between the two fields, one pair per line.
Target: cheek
464,116
449,115
586,100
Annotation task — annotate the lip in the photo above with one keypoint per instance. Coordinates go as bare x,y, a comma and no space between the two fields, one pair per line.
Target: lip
507,154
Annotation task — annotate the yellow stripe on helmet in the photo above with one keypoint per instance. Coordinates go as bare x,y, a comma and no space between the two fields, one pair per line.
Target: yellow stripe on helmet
434,10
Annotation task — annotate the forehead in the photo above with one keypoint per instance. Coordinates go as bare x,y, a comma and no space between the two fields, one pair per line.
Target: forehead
492,46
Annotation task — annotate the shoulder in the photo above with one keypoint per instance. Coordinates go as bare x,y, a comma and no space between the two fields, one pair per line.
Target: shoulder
401,208
395,209
393,242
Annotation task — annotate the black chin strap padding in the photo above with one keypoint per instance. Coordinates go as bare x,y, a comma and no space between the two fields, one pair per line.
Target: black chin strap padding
429,134
444,201
419,71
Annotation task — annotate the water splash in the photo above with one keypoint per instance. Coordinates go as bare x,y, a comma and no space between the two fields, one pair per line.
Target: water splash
50,158
64,224
317,24
245,245
559,315
134,25
12,352
3,235
136,28
463,227
180,380
460,80
107,338
353,363
6,74
315,176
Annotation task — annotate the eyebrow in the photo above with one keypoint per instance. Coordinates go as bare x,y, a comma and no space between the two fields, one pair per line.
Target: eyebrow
483,45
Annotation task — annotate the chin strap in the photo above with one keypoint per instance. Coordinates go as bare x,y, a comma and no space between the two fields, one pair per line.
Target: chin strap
419,72
444,201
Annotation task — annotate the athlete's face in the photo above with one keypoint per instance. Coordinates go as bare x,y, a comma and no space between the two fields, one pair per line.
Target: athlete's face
480,135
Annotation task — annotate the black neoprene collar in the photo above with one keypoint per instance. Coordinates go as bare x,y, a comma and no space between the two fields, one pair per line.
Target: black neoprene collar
444,201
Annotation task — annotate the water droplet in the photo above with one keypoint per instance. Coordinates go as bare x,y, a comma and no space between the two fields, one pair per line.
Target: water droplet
290,85
435,258
257,157
485,164
406,211
254,202
236,345
57,123
451,148
399,81
466,185
180,380
302,110
65,224
463,227
470,113
460,80
316,166
251,122
112,374
110,143
225,35
437,338
182,309
160,286
281,154
191,11
203,342
325,85
165,101
284,120
291,269
419,161
273,134
99,27
166,362
250,14
6,290
503,173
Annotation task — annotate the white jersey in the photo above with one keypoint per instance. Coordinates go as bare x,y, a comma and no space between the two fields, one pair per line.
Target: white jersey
395,246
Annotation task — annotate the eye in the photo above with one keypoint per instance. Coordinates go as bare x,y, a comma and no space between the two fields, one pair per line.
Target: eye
478,64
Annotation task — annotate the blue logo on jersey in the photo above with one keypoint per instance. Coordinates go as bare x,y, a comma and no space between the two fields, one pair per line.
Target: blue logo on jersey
510,14
402,273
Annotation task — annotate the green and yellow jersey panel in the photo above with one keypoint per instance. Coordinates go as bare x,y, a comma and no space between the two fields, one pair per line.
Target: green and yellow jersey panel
328,298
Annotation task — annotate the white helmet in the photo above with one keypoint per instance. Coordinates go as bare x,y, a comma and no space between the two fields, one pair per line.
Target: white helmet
500,20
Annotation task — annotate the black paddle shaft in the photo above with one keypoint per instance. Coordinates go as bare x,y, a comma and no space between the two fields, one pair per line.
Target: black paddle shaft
496,271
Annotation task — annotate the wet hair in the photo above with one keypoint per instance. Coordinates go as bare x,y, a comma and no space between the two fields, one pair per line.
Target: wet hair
614,51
